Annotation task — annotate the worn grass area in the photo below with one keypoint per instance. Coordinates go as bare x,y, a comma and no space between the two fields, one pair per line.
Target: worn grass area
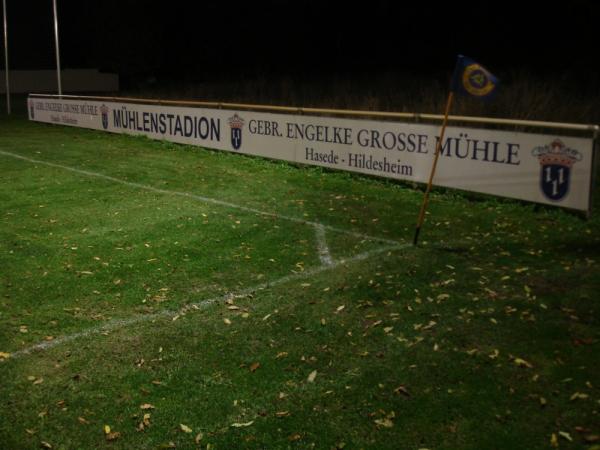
133,297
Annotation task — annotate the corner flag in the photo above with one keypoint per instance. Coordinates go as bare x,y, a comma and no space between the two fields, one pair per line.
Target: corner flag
471,78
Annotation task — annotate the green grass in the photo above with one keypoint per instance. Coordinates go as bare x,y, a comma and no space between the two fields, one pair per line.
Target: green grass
412,347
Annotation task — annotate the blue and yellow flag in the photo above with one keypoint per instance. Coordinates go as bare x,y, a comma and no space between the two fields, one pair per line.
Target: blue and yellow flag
471,78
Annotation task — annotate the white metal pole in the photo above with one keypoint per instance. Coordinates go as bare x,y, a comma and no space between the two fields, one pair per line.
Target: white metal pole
57,48
6,57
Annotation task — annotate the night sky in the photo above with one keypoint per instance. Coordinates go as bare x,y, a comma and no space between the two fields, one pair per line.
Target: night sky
204,40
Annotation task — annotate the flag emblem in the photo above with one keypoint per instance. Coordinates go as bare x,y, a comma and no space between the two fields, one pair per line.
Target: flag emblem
236,123
556,161
471,78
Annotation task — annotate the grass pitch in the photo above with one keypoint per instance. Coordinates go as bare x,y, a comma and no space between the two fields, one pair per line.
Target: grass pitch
161,296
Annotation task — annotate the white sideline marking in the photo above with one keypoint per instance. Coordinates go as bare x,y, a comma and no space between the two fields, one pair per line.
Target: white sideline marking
324,254
190,307
196,197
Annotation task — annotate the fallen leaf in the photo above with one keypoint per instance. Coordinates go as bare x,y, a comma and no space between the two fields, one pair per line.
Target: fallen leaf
578,395
227,321
553,440
45,444
254,366
385,422
106,429
83,420
565,435
198,438
185,428
312,376
294,437
242,425
282,413
402,390
4,355
147,406
522,363
113,436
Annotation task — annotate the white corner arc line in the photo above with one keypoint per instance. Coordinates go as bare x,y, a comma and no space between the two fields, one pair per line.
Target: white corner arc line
196,197
322,246
190,307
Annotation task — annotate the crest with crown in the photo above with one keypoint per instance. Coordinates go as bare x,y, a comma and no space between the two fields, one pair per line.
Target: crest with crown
236,121
557,154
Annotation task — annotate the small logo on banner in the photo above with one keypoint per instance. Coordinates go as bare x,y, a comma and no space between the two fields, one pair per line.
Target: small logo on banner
104,111
236,123
556,161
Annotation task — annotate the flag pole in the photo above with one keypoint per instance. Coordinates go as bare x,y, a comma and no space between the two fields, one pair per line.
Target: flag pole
438,149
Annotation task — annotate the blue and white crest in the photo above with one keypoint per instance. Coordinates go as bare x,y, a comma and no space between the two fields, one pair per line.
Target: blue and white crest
236,123
104,111
556,161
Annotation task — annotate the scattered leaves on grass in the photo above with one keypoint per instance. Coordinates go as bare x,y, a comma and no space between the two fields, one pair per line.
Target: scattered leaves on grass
185,428
312,376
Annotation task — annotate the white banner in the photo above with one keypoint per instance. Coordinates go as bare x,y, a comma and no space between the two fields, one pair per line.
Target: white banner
542,168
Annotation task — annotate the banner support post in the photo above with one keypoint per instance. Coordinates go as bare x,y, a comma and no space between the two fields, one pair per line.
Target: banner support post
57,48
6,57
